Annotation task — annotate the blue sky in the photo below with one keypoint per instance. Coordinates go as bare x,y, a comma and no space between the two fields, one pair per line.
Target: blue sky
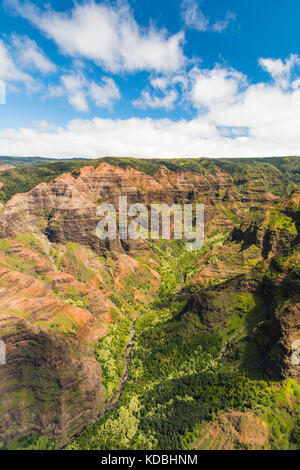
150,78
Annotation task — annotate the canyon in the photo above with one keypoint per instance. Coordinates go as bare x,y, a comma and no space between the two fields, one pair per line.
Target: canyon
63,291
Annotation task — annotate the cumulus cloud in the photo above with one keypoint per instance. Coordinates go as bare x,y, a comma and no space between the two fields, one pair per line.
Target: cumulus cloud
136,137
8,69
153,138
235,118
74,86
107,35
281,70
159,82
194,18
104,95
12,77
164,91
30,55
166,100
78,89
200,88
217,87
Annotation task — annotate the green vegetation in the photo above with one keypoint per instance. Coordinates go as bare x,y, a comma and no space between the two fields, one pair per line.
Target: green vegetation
4,245
176,382
15,263
61,324
30,443
110,352
280,221
24,178
191,362
279,175
29,239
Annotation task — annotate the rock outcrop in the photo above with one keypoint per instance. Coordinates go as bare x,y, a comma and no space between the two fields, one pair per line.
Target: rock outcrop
48,383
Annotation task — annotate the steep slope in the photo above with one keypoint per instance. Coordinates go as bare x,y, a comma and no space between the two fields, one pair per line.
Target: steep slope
49,384
62,290
256,296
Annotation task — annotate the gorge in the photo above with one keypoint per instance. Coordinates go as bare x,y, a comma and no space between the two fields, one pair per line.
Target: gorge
216,329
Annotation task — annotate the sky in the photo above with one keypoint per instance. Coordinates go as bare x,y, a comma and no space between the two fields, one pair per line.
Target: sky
150,78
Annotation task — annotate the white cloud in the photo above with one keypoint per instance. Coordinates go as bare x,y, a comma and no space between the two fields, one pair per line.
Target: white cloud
160,138
104,95
28,54
200,88
159,82
74,86
8,69
137,137
236,118
164,92
221,25
77,89
217,87
194,18
12,75
44,126
281,71
148,100
107,35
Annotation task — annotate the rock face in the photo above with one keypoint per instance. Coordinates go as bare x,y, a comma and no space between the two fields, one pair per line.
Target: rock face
51,380
267,279
66,208
47,383
61,287
279,336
